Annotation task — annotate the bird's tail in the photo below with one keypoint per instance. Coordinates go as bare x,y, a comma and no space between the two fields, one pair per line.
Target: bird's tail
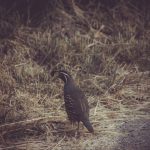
88,125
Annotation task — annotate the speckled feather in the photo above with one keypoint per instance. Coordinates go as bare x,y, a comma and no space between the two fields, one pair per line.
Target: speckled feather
76,104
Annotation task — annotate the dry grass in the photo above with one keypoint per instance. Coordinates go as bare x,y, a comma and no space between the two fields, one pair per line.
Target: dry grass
108,60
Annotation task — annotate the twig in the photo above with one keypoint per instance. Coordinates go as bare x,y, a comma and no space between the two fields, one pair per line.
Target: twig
57,143
28,123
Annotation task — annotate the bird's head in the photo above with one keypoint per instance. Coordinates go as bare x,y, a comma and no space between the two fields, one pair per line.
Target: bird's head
62,74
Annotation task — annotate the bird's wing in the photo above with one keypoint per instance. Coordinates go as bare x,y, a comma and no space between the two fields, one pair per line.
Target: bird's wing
81,101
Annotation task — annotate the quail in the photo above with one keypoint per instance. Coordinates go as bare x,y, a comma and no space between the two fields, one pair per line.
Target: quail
76,104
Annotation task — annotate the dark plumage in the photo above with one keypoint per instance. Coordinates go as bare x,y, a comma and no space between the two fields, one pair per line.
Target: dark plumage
76,104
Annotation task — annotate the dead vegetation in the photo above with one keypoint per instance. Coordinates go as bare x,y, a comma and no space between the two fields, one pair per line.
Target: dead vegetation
105,46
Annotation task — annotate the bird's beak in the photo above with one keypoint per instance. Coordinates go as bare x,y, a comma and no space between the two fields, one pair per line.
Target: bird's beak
54,75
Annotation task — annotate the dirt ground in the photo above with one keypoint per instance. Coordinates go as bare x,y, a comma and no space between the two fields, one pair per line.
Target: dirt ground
133,134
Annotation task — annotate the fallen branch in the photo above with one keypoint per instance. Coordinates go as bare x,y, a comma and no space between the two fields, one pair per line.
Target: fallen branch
27,124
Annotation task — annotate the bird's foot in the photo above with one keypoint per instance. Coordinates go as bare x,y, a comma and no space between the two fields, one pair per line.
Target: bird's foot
77,134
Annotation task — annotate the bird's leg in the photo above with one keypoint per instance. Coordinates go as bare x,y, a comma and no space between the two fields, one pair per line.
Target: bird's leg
78,126
77,133
72,125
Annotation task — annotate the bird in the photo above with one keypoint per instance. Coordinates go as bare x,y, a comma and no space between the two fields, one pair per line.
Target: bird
76,104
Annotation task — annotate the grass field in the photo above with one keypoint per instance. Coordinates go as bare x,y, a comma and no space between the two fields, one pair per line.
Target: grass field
105,46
